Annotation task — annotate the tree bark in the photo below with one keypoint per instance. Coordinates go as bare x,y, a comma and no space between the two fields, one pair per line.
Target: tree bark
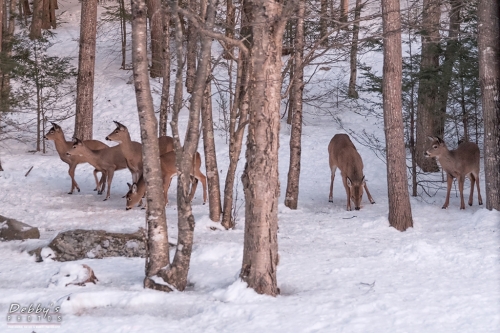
399,200
352,93
213,181
157,242
9,24
489,77
292,189
86,68
36,20
260,177
428,85
156,30
344,10
165,90
192,39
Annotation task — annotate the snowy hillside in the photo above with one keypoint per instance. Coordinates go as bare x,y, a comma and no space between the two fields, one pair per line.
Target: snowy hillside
339,271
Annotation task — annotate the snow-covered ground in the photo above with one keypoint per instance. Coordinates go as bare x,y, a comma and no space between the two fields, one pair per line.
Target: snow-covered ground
339,271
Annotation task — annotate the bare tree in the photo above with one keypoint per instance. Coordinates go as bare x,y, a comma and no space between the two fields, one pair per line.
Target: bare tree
428,85
260,177
155,15
354,51
489,75
399,200
165,90
157,242
292,189
86,68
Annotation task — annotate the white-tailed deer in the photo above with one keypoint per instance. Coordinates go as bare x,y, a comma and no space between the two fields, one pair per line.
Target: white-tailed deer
343,155
459,163
62,146
168,171
132,150
106,160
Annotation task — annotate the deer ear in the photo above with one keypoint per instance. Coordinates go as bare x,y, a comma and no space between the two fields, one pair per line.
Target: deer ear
431,138
134,188
439,140
363,180
129,186
349,183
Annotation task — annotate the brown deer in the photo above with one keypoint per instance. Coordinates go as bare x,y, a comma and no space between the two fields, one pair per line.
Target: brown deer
168,170
132,150
56,134
106,160
343,155
459,163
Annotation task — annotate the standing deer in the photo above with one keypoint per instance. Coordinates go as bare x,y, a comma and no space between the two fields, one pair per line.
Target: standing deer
168,171
106,160
132,150
459,163
343,155
56,134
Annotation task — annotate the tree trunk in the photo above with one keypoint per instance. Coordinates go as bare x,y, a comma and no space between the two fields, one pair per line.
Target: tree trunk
399,200
9,24
192,38
352,93
86,68
260,177
123,30
176,274
450,57
210,156
157,242
156,29
230,27
489,77
292,189
428,85
323,22
344,10
36,21
46,14
165,90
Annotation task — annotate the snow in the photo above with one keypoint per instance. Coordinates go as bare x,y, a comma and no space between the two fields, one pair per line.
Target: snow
339,271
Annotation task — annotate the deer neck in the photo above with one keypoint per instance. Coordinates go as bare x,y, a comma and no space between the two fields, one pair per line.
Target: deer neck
126,146
61,145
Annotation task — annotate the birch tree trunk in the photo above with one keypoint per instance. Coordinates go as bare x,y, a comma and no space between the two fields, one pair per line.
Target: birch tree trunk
489,77
156,30
192,38
292,189
260,177
428,85
157,257
86,68
399,199
165,90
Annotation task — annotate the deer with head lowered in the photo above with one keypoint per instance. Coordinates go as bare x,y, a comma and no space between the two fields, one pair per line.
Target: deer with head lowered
343,155
106,160
132,150
459,163
168,170
56,134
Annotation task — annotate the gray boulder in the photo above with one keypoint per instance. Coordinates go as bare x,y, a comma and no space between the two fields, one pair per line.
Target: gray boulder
11,229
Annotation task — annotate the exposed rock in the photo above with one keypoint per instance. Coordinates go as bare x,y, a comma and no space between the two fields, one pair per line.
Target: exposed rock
79,244
11,229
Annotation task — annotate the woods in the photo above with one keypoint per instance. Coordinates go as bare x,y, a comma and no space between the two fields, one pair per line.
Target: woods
251,71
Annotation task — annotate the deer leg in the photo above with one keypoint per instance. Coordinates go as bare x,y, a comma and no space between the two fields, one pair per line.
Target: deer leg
71,173
471,195
102,183
203,179
96,180
110,174
449,180
330,197
166,186
479,198
461,181
369,195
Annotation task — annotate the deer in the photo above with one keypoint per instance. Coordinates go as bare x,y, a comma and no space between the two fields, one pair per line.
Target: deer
343,155
106,160
169,170
459,163
56,134
132,150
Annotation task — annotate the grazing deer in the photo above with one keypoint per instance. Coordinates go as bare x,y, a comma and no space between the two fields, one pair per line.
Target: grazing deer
132,150
459,163
56,134
106,160
343,155
168,171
